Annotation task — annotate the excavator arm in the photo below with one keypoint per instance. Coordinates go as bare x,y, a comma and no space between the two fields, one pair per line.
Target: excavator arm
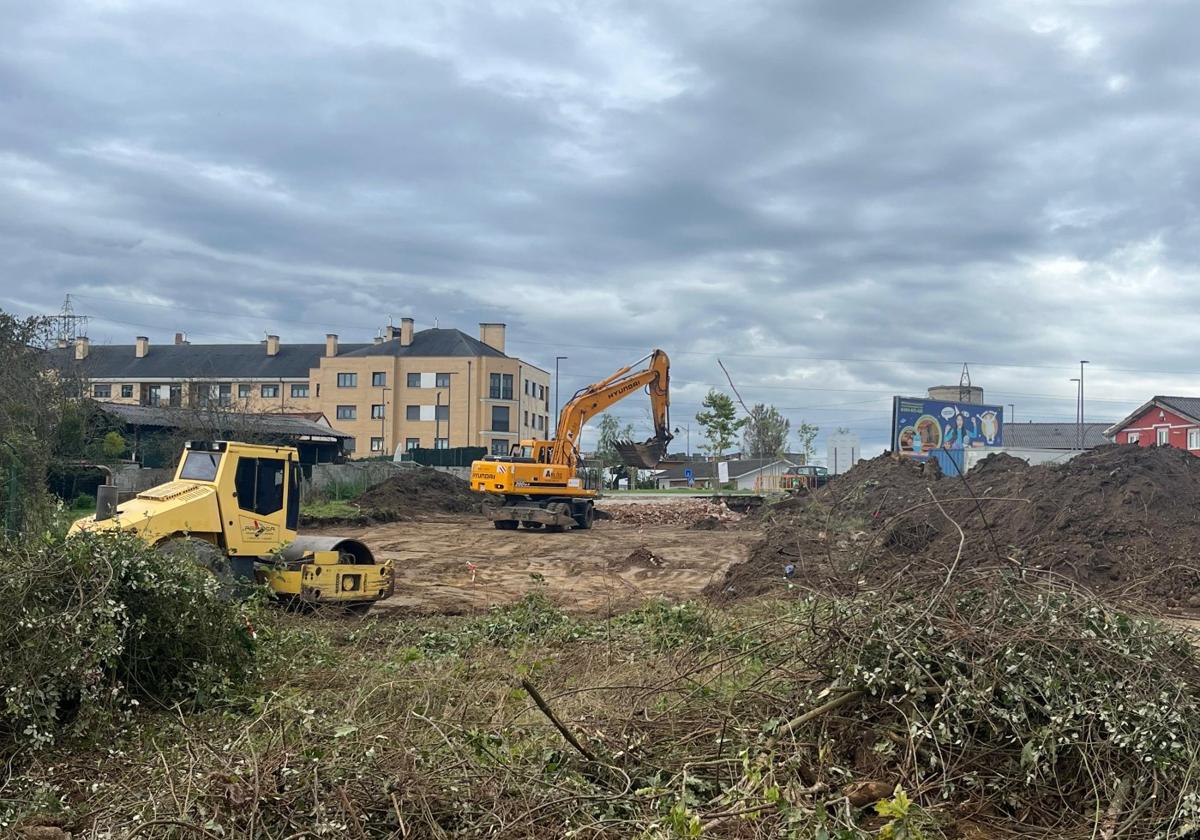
595,399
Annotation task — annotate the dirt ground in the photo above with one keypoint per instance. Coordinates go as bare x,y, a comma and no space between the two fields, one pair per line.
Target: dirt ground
584,571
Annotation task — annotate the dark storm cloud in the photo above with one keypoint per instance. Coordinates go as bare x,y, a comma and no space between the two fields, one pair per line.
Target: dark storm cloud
792,186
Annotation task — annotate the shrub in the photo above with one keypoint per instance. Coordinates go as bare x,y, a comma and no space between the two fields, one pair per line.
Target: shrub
100,620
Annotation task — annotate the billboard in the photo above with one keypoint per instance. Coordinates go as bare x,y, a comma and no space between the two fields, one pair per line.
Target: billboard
921,426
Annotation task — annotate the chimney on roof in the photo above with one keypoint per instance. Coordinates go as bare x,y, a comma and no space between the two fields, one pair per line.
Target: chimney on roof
331,344
272,345
379,339
141,346
82,347
406,331
390,333
181,339
492,335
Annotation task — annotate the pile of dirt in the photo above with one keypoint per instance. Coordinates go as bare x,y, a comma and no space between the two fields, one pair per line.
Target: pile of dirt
640,558
708,523
418,492
1123,520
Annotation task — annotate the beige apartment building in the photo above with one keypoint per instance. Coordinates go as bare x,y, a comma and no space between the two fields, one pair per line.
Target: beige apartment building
433,388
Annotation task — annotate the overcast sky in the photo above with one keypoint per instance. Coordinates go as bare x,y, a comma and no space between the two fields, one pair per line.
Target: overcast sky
842,200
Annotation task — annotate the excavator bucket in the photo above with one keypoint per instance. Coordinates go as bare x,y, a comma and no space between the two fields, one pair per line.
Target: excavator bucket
644,455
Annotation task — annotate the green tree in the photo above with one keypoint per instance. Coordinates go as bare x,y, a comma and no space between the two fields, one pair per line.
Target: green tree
807,432
611,431
719,421
112,446
766,432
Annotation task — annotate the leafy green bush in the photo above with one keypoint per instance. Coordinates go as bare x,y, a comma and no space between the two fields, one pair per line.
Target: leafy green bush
99,621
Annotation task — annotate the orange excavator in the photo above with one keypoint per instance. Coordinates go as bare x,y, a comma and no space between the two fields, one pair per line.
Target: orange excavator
537,484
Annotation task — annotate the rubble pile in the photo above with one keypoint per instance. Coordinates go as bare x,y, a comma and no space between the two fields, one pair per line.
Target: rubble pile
1119,519
687,512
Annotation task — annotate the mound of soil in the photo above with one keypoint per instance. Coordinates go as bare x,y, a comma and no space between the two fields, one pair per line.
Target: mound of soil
708,523
419,491
1123,520
878,488
640,558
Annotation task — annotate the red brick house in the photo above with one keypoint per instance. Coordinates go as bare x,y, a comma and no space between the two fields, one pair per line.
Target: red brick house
1163,421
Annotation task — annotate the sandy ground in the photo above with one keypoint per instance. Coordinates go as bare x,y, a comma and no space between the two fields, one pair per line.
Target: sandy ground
433,575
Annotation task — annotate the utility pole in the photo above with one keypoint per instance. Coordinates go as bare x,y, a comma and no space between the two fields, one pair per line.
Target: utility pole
1012,412
556,361
687,427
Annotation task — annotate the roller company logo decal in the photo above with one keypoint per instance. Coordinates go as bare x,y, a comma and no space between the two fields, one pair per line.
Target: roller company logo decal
256,530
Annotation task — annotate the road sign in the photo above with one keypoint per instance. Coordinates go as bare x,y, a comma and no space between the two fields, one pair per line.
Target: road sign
690,476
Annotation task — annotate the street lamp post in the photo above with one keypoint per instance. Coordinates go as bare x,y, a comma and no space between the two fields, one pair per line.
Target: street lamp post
1082,362
687,427
1078,386
557,359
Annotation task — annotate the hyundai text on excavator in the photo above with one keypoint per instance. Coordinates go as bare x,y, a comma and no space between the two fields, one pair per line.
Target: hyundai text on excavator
538,485
234,508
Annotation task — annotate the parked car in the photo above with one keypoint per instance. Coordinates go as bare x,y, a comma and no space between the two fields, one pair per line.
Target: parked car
799,480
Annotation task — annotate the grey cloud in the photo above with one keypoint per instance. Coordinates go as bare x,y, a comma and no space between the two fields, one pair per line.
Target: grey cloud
768,181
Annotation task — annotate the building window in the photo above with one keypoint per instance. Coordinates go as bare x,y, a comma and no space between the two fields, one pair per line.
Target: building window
442,380
126,392
377,412
347,412
376,444
499,418
270,392
1163,435
1193,438
299,391
175,397
102,391
500,386
412,443
499,446
1133,437
526,420
347,380
348,445
542,392
243,392
150,394
379,379
224,394
412,412
441,443
414,380
443,412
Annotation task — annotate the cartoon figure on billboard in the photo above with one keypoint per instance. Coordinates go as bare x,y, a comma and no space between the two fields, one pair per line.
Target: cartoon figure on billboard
990,425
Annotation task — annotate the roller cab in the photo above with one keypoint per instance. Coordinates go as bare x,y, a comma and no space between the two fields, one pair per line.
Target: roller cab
242,501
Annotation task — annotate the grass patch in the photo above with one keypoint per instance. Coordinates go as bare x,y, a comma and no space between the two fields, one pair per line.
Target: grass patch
334,509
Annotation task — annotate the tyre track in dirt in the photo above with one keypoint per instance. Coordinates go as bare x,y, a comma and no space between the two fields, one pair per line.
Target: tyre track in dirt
433,559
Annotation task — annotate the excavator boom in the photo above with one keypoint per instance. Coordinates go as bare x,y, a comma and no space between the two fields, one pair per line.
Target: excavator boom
537,484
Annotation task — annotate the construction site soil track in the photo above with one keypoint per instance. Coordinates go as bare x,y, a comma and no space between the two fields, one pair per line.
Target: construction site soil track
1119,520
460,564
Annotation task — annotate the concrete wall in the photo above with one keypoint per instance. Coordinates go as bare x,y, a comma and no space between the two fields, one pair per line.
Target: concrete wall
130,478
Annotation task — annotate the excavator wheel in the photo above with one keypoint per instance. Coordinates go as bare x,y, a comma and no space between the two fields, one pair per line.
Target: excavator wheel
533,526
585,519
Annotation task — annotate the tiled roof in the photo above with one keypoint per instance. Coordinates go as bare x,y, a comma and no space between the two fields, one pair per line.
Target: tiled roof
250,361
230,422
1053,435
